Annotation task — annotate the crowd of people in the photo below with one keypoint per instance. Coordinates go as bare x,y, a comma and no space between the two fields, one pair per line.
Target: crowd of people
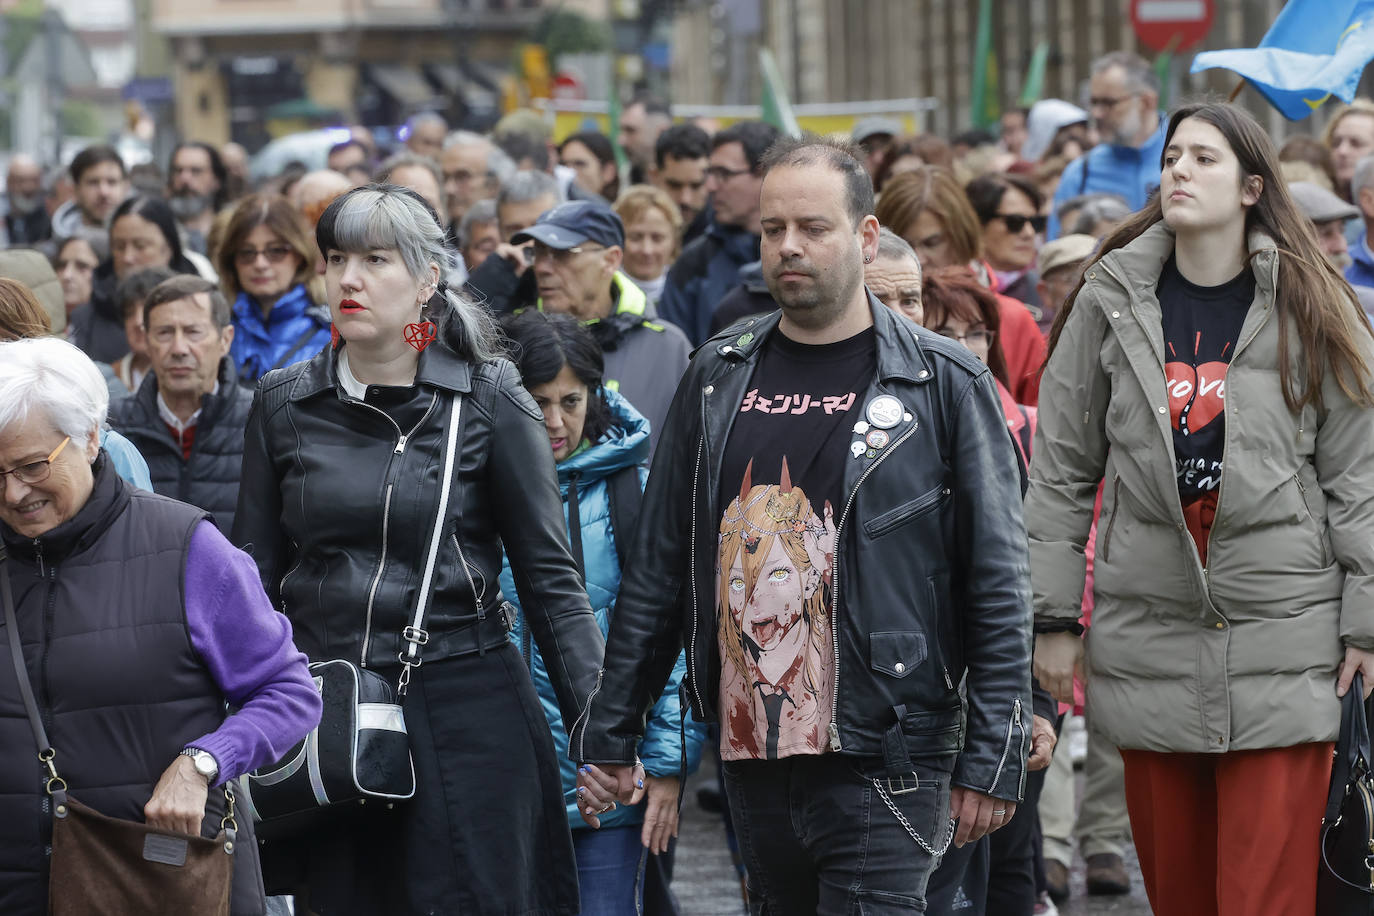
670,397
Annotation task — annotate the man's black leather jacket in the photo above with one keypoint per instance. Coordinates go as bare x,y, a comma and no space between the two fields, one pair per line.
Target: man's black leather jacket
931,571
337,505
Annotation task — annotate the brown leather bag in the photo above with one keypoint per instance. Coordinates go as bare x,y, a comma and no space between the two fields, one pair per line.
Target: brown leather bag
111,866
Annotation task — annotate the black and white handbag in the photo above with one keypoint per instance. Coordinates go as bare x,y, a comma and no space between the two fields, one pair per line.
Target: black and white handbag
360,751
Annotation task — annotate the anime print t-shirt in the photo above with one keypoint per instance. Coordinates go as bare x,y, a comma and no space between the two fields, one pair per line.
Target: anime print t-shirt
782,486
1201,328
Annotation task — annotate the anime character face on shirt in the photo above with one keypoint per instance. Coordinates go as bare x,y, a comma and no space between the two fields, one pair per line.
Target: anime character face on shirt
774,627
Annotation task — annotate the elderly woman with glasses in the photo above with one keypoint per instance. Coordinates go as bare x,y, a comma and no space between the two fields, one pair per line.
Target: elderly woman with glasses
139,624
266,265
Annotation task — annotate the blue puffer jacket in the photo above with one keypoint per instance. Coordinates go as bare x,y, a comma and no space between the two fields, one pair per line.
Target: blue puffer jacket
625,445
260,346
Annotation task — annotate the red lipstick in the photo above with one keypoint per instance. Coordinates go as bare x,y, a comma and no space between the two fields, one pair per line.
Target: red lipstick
349,306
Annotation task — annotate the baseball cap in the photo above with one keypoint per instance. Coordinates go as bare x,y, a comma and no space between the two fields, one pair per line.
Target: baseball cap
1064,251
873,126
1320,205
573,223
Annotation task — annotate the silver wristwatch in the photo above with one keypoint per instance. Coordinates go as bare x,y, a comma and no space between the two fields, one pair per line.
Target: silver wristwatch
204,762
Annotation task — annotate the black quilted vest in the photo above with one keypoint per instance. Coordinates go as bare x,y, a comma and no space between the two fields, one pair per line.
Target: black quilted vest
99,601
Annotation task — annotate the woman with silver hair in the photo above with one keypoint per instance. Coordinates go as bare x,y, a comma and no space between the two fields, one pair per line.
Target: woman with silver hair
139,622
343,476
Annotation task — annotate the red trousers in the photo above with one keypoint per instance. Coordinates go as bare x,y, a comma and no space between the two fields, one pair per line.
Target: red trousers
1229,834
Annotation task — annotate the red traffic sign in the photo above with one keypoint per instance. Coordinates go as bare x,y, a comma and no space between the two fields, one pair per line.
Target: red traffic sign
1171,24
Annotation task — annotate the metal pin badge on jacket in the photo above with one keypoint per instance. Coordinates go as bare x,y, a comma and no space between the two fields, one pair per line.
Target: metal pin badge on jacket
877,438
861,427
884,412
857,449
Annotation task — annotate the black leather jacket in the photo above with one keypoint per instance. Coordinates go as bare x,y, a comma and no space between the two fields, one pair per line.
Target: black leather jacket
931,570
337,503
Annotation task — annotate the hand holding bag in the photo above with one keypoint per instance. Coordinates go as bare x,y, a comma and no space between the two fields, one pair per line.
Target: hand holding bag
112,866
1345,880
360,751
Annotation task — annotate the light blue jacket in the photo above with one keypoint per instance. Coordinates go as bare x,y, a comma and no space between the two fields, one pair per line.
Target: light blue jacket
1126,171
625,445
127,460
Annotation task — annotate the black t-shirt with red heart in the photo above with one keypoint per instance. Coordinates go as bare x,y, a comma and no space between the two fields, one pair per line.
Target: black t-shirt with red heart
1201,327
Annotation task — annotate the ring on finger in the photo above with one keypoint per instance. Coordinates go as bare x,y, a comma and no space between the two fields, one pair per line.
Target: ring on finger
1000,812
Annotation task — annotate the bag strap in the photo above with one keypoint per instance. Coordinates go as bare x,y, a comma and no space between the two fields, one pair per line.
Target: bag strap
55,785
319,314
626,498
1352,748
415,635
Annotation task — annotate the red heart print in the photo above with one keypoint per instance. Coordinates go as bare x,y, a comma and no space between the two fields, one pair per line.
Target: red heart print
421,334
1199,395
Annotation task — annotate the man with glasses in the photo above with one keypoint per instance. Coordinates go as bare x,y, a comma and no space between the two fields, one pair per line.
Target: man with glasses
1125,113
709,267
575,252
473,169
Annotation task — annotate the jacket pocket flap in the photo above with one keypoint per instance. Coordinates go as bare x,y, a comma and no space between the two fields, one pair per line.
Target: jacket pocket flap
893,518
896,653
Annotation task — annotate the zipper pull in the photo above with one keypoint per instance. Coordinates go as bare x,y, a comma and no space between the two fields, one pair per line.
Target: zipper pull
38,553
401,444
834,737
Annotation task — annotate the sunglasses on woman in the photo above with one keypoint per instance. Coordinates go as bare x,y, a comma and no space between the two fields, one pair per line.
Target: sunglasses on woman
1015,222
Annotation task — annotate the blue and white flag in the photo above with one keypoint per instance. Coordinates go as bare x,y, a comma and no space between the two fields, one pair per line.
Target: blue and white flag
1315,49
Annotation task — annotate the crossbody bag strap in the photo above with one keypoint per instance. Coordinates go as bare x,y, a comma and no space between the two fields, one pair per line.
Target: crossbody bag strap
55,785
415,635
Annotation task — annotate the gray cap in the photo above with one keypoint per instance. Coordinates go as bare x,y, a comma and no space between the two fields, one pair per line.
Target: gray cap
873,126
1320,205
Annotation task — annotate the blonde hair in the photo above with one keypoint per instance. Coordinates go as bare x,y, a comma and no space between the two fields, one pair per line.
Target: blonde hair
638,199
750,525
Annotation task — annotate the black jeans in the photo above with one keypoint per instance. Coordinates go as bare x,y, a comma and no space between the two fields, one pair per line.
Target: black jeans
818,836
997,875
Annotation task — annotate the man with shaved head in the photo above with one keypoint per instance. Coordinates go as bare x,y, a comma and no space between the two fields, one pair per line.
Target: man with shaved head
26,217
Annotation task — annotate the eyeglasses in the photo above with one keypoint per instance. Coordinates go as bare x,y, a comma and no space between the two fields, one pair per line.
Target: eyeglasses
979,338
559,255
275,254
35,471
1015,222
1106,101
721,174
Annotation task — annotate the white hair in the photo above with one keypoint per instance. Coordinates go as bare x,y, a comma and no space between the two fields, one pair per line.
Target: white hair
52,378
1363,177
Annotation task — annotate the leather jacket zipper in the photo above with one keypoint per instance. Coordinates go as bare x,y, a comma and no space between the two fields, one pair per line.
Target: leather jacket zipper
692,648
462,561
401,440
1012,724
586,710
834,729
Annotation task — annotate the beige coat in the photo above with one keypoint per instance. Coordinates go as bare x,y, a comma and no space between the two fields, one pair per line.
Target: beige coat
1243,654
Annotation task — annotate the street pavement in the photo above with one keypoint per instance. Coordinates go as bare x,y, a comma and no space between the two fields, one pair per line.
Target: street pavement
705,881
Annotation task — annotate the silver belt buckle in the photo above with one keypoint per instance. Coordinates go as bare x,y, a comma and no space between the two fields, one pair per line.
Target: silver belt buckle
902,785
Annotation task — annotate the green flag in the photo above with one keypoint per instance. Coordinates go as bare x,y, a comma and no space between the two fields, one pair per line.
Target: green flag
985,109
777,110
1162,64
1034,86
622,162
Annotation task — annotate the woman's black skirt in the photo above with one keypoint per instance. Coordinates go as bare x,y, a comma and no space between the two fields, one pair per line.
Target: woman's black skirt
486,832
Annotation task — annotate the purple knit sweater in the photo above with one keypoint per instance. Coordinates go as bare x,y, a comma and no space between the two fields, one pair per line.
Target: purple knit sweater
247,647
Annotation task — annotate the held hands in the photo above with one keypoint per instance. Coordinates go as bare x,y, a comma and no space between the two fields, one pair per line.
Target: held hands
1356,660
178,802
600,788
978,814
1043,740
1058,657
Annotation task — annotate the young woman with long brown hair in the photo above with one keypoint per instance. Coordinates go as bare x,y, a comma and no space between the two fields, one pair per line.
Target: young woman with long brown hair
1214,370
